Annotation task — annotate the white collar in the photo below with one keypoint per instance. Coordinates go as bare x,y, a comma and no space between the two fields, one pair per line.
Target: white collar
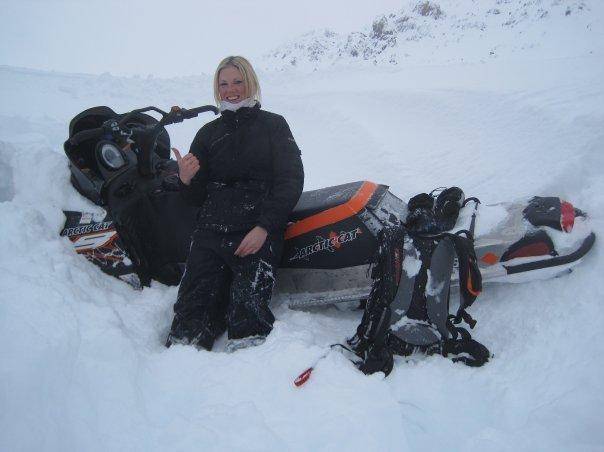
225,105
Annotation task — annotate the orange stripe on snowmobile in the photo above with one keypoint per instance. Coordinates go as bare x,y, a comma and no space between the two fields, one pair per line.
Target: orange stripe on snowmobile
335,214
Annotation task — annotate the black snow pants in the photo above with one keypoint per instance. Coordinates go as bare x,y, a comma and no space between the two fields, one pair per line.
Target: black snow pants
220,291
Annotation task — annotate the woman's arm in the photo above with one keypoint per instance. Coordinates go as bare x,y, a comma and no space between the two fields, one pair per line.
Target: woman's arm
288,179
195,192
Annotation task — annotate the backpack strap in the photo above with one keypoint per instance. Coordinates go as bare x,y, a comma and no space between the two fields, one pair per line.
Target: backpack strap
478,353
470,279
370,340
438,285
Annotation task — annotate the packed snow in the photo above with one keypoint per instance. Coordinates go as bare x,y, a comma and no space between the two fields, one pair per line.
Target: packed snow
83,361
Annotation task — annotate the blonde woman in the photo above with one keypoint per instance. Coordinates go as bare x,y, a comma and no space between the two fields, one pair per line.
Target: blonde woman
245,172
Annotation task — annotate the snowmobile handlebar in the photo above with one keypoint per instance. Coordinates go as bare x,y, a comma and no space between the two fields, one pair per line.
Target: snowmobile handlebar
147,137
172,117
184,113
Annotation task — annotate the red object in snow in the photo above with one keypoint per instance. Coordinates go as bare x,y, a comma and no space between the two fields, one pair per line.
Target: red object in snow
567,216
303,377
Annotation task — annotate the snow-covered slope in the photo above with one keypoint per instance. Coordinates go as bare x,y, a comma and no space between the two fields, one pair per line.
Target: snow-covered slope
84,367
451,31
83,363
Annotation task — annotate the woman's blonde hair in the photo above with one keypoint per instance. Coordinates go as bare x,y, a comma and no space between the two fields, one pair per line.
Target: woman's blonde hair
250,79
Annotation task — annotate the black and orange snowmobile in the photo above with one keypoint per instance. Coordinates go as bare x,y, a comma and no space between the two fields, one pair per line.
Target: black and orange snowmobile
121,162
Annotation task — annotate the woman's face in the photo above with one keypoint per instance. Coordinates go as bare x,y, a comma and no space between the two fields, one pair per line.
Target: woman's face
230,85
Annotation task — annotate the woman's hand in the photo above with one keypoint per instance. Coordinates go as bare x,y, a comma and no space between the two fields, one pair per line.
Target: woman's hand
187,166
252,242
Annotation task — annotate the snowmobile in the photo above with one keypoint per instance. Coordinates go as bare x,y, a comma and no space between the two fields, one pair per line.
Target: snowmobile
121,162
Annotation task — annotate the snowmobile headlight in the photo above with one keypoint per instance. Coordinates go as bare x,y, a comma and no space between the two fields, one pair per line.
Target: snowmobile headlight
110,155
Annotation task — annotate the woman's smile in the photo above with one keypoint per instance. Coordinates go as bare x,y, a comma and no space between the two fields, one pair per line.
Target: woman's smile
231,86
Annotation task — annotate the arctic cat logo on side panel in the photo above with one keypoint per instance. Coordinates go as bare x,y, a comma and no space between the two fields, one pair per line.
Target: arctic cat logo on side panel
332,243
87,229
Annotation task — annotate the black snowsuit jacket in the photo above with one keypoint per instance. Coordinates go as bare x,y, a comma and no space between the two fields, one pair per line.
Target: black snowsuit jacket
251,172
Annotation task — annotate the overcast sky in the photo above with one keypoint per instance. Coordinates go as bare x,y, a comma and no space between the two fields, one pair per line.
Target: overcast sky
163,38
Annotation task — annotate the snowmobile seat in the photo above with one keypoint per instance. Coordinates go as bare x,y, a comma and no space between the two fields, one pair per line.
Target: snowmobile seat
315,201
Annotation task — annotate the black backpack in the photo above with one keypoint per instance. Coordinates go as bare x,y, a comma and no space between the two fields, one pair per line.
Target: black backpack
408,309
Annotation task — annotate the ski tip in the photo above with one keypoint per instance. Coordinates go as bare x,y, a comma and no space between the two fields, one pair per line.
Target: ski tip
303,377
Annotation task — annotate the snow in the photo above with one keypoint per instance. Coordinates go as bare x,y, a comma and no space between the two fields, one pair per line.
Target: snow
446,31
83,361
411,265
